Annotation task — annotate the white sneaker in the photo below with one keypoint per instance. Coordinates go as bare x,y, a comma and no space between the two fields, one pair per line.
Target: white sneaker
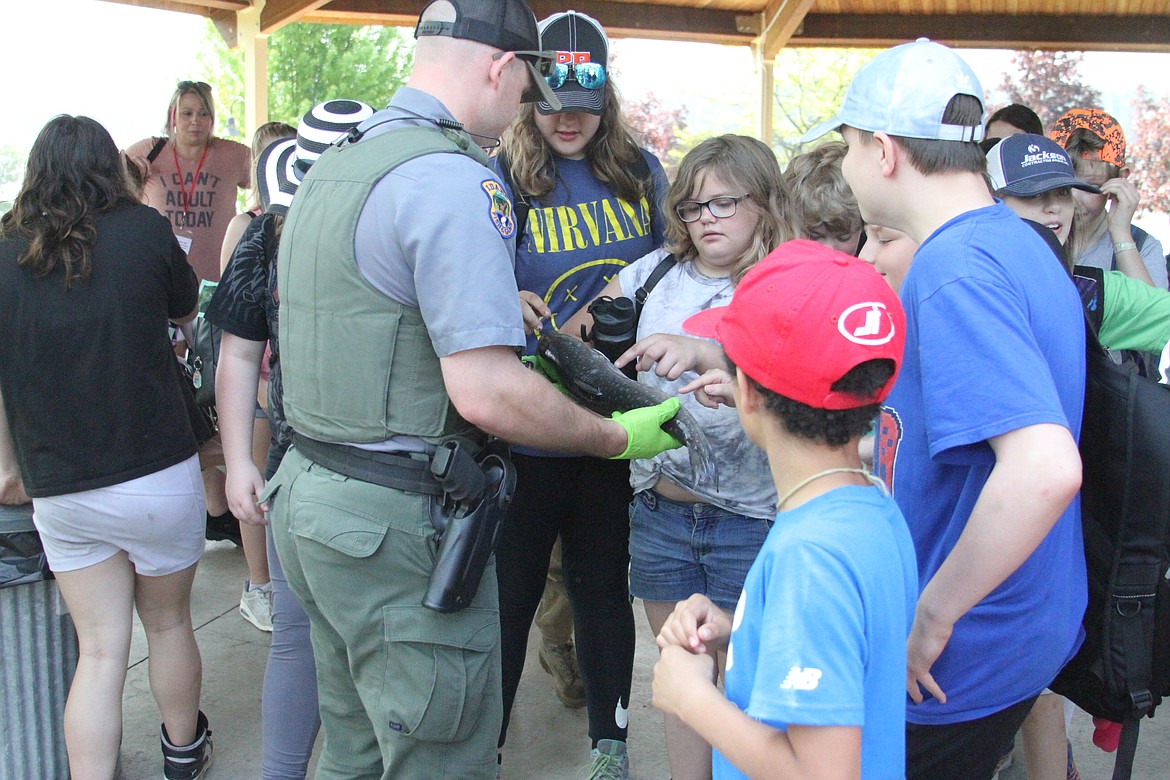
256,605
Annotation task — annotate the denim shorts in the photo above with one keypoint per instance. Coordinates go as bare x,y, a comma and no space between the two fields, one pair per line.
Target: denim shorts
678,549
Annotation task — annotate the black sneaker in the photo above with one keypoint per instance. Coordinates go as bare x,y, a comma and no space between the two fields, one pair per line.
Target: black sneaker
190,762
225,526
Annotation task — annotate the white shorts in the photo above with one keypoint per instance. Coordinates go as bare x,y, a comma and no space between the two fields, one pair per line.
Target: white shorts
159,520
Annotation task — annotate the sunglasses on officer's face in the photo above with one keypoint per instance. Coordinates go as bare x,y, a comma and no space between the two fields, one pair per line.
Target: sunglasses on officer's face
542,61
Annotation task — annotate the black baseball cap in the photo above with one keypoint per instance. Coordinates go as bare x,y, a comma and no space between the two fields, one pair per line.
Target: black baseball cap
507,25
575,38
1027,165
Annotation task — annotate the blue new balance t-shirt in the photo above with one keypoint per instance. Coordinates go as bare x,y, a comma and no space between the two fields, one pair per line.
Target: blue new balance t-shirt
994,343
819,634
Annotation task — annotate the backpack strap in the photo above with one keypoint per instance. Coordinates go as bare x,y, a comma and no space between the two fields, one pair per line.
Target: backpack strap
1126,749
1140,237
1090,284
156,150
660,270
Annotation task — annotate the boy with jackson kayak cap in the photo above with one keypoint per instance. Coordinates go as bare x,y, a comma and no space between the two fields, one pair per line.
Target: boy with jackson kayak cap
816,647
399,323
977,439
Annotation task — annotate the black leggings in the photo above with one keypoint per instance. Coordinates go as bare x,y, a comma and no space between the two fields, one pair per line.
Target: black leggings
585,501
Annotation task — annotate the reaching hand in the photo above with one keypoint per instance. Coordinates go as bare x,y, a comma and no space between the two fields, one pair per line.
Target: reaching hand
670,355
712,388
695,623
644,435
534,309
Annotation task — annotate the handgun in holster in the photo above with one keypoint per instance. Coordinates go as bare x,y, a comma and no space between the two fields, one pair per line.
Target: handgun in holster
476,494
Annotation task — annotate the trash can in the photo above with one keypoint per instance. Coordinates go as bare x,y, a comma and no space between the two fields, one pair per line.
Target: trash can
38,645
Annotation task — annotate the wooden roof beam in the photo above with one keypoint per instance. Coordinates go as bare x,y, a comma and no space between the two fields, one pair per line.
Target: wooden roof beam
200,7
1033,31
620,20
278,13
781,19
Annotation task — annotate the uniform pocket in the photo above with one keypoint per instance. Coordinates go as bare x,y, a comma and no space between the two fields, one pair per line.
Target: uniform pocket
438,667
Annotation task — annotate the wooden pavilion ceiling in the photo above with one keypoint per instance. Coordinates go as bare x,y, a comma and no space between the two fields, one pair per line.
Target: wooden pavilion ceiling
1122,25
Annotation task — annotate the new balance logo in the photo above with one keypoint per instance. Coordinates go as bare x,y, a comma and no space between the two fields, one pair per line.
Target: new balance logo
801,679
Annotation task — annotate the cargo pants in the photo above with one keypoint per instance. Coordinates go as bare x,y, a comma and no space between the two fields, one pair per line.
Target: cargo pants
405,692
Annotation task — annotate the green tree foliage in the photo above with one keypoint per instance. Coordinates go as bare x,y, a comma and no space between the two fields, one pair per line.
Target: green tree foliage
1049,83
809,87
310,63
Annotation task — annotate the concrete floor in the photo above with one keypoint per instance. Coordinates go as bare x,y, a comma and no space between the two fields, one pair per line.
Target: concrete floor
546,741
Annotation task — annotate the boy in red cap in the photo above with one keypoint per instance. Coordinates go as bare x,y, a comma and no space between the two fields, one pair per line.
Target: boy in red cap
816,649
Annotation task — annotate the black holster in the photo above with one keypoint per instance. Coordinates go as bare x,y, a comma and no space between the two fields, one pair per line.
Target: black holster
476,494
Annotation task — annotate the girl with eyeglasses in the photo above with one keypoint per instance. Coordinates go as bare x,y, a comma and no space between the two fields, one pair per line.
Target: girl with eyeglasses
586,205
727,208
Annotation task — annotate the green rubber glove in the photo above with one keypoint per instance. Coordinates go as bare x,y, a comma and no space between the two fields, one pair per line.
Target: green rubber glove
546,370
645,437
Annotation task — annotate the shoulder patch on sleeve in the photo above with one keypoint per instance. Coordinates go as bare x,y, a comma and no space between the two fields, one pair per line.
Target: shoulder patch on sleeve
500,208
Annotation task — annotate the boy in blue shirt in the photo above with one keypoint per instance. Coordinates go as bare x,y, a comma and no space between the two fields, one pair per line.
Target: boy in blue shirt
816,648
977,439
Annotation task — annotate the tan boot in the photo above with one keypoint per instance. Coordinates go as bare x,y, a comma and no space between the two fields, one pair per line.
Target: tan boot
561,662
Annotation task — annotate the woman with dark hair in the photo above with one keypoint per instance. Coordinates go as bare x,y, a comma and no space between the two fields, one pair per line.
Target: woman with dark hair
89,278
1013,120
586,198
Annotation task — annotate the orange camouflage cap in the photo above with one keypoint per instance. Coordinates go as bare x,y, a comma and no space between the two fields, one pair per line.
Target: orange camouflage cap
1099,124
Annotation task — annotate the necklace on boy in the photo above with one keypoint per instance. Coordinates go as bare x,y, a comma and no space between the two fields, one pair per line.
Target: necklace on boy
839,470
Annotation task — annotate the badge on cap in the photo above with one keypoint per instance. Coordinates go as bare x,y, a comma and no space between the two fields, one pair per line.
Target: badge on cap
500,209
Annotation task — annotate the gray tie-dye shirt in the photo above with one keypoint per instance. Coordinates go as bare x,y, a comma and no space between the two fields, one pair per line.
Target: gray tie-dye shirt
745,482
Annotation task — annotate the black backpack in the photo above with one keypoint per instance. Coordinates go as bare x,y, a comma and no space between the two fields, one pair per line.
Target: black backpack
1122,670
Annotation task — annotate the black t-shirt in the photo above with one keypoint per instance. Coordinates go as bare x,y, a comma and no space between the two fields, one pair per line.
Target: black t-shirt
245,304
89,388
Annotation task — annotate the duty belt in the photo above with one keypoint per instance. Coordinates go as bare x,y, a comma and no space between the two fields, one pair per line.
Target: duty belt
388,469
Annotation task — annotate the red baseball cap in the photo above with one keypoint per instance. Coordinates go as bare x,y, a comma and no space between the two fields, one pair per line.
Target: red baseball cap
805,316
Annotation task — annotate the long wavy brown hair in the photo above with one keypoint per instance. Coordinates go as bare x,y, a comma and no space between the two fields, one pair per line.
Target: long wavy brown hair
749,166
611,153
74,174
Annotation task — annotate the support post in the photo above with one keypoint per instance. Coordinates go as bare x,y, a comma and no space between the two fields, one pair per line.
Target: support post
765,68
255,46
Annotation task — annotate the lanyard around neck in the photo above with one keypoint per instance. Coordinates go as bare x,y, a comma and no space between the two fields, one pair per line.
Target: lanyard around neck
185,195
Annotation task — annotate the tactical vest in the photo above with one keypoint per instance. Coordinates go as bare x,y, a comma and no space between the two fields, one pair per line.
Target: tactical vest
357,365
